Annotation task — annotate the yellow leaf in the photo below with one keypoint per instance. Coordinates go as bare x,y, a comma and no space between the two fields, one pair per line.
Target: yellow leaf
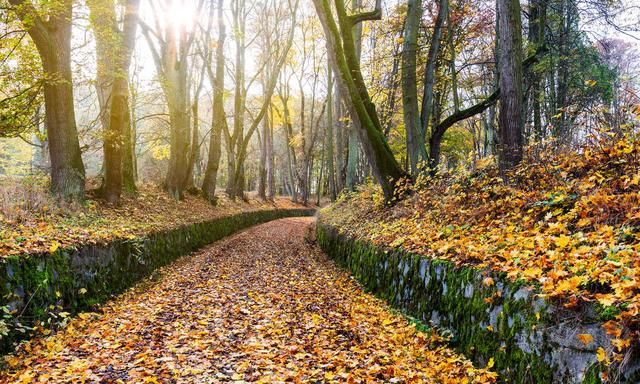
585,338
569,284
601,355
490,363
489,328
562,241
606,300
26,377
12,361
388,321
54,246
621,344
532,273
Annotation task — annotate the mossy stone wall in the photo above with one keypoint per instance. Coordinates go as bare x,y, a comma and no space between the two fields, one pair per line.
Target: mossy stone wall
530,340
46,287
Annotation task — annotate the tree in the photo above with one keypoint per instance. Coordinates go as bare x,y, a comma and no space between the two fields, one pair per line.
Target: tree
218,118
510,119
343,57
50,30
114,48
170,47
329,136
238,140
417,121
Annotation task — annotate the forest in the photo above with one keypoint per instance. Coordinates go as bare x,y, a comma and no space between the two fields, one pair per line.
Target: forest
320,191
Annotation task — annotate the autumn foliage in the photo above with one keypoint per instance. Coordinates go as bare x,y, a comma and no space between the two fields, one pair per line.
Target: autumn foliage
45,225
262,306
567,223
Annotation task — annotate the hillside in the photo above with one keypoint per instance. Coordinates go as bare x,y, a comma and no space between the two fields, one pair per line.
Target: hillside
567,223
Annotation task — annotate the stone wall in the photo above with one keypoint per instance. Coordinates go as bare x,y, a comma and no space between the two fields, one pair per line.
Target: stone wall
49,287
530,340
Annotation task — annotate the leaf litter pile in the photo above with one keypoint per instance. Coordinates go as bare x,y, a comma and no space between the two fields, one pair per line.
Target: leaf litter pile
48,226
261,306
568,222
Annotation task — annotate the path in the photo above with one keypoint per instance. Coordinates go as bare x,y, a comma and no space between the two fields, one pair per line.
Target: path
260,306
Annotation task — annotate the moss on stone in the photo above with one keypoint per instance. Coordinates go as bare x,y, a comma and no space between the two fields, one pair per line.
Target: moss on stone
485,321
36,287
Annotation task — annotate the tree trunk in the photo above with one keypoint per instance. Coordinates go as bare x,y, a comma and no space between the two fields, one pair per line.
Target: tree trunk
429,83
352,159
339,131
536,35
102,17
52,37
179,136
271,187
218,119
416,151
344,58
119,118
129,174
510,124
329,140
262,167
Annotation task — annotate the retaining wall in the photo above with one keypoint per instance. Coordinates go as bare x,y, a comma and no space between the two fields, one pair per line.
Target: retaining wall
48,287
530,339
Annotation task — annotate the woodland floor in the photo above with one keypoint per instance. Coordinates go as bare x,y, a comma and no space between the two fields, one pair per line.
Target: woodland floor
263,305
30,222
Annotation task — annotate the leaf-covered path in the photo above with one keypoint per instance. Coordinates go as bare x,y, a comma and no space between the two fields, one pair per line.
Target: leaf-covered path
260,306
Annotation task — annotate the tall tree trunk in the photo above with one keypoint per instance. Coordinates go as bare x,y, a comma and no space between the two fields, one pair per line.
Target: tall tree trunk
353,149
218,118
537,24
339,131
130,160
179,136
119,117
510,123
102,17
430,70
304,161
344,58
129,174
271,186
328,139
235,178
352,159
416,151
52,37
292,164
262,167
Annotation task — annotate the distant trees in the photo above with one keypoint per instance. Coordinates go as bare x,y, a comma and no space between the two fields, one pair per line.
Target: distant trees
238,139
286,101
170,47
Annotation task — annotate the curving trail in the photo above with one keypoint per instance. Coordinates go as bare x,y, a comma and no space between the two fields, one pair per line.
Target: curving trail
260,306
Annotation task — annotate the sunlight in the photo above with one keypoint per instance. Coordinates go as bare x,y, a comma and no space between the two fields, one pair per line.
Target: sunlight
180,14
